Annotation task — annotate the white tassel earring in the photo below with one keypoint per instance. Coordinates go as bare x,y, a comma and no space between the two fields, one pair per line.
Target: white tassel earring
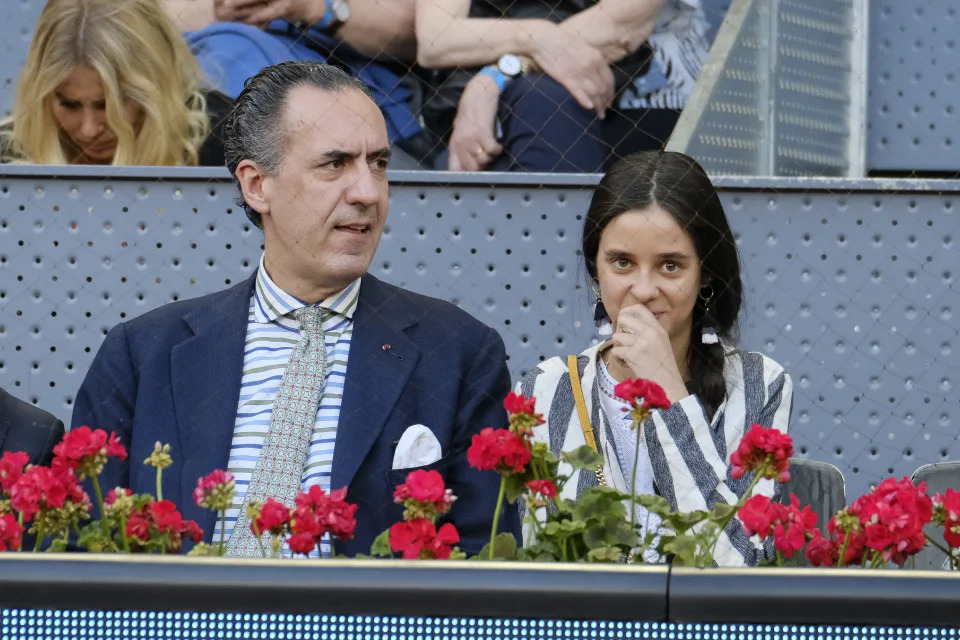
709,330
600,317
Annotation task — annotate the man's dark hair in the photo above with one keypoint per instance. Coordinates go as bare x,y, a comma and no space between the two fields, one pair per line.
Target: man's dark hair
254,128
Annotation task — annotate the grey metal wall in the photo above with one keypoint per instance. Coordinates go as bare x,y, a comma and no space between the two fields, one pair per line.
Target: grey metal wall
914,100
17,19
851,286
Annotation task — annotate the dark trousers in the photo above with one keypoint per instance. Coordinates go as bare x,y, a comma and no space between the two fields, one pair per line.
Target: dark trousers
546,130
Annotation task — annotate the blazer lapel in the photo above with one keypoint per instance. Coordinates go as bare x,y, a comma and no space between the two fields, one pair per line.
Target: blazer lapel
206,372
380,362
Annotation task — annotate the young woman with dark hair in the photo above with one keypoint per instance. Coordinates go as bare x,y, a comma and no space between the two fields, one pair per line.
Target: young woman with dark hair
665,269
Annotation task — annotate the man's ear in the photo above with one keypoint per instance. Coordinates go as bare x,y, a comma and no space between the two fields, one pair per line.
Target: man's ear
251,178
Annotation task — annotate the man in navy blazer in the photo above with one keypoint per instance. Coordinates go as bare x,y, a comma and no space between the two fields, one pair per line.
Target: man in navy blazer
308,149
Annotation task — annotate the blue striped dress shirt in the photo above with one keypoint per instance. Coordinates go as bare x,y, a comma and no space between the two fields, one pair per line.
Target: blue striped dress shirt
272,332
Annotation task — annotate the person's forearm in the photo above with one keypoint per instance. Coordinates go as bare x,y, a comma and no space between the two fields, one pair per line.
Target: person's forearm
190,15
381,28
616,28
465,42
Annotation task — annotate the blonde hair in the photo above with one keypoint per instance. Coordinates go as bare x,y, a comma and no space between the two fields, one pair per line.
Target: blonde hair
140,56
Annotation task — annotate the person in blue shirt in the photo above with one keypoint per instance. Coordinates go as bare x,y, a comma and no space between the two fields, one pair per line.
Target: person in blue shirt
373,40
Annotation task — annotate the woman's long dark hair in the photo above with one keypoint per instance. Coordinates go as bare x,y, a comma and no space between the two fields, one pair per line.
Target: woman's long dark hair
679,185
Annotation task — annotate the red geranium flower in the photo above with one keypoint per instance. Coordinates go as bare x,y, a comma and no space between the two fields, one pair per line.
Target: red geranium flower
821,552
758,514
633,389
793,526
192,530
138,527
165,515
422,486
518,403
893,517
523,413
303,543
86,450
443,543
788,524
159,521
947,507
419,538
215,490
10,531
423,494
46,488
274,517
498,449
765,452
337,515
316,513
545,488
11,468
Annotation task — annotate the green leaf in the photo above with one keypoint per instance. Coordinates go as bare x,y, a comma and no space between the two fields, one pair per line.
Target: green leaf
583,458
604,554
542,551
723,512
597,502
381,546
684,550
504,548
654,504
683,522
514,486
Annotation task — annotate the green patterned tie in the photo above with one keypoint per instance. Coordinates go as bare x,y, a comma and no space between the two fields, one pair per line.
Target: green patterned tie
279,469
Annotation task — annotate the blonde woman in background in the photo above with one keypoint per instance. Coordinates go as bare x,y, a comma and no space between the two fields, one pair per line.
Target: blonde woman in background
111,82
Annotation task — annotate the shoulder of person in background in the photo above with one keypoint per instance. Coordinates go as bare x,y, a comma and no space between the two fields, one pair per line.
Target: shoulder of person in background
218,106
24,427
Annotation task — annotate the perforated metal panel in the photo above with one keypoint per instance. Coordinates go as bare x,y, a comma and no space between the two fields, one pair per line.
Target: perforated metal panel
850,288
780,93
17,19
914,100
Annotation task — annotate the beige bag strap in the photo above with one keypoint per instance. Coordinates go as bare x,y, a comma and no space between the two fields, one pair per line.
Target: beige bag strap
581,402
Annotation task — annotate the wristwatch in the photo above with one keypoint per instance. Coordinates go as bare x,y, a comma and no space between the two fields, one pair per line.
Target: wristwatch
510,65
507,68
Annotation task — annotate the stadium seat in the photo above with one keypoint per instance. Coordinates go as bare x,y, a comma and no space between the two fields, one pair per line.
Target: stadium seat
939,477
817,484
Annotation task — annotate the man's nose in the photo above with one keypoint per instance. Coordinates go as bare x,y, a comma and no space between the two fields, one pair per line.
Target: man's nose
363,190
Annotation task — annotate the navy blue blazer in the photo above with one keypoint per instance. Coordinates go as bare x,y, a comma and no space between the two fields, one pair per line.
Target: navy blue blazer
173,375
26,428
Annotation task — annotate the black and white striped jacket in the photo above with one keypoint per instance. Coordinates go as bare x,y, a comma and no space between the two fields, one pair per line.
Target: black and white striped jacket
690,455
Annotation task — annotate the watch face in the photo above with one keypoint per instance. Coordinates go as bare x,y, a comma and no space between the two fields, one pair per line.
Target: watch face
341,10
510,65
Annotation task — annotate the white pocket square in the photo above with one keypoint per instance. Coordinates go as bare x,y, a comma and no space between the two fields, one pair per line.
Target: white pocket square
417,447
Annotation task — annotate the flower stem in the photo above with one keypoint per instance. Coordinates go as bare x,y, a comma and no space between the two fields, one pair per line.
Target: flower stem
123,534
949,553
779,558
223,526
159,484
843,551
40,536
633,478
256,534
496,514
333,551
103,512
